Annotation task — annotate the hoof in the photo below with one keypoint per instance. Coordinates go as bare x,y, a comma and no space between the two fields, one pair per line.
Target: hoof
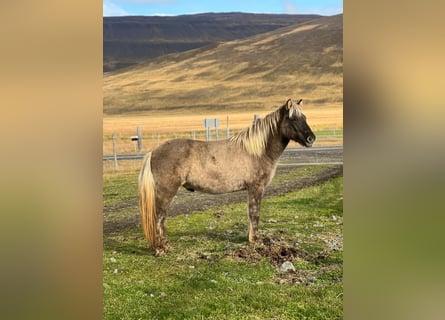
162,250
255,241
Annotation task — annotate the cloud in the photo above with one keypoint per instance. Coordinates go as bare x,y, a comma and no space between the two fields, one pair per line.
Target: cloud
289,7
162,14
111,9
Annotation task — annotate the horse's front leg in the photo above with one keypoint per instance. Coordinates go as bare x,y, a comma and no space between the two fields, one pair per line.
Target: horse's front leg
254,213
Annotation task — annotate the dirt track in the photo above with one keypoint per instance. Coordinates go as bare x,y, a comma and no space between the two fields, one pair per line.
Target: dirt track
186,202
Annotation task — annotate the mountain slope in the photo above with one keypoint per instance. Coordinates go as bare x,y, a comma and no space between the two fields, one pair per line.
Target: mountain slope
303,60
131,40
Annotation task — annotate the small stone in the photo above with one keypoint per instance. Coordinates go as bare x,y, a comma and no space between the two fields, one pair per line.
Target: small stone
334,218
219,214
115,271
286,266
112,259
162,295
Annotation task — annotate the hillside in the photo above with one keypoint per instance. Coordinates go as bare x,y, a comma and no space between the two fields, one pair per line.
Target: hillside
134,39
303,60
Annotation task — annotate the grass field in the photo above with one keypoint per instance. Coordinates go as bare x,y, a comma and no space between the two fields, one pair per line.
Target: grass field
212,272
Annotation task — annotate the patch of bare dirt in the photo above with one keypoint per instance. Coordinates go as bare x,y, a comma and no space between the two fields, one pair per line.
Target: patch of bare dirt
278,251
121,205
275,249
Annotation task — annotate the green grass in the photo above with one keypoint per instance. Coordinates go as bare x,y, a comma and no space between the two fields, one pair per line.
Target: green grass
296,173
202,279
120,187
329,132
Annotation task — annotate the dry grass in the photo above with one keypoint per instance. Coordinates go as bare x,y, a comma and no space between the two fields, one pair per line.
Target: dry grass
303,61
204,95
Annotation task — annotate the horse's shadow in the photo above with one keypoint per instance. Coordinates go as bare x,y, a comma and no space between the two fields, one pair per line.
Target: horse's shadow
127,248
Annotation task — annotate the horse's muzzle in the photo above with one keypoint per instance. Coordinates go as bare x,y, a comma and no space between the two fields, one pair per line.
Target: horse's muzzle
310,140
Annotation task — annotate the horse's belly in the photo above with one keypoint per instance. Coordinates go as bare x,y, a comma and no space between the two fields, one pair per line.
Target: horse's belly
214,183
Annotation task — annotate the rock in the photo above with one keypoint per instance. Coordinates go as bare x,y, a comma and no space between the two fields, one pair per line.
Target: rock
112,259
219,214
162,295
286,266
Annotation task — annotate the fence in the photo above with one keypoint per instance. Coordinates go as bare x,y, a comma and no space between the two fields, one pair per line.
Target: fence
124,144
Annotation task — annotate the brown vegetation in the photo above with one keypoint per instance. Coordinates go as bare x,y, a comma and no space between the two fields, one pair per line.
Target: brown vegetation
251,74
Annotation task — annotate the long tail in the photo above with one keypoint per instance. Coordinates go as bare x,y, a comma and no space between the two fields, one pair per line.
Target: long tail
147,201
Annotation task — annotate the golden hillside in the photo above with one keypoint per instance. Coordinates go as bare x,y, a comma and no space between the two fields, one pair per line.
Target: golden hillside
257,73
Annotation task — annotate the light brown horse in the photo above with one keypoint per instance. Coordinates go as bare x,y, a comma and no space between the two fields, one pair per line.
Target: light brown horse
246,161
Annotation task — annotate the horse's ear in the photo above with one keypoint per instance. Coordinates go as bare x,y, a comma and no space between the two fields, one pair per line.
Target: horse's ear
289,104
300,102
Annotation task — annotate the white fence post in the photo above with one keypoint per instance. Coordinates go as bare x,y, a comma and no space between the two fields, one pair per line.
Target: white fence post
114,152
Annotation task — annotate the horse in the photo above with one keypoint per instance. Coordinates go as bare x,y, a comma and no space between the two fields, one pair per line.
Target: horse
245,161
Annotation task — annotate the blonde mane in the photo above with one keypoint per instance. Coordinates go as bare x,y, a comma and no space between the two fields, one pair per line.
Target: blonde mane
253,139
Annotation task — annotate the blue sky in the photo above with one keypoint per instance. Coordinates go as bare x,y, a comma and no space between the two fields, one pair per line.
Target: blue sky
177,7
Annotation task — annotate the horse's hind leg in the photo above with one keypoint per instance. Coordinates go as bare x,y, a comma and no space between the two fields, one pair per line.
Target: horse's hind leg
164,197
163,245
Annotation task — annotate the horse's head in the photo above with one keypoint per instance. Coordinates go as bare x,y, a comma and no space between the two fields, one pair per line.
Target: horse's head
294,125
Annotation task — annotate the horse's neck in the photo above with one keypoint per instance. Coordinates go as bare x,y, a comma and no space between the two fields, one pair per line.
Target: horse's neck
275,146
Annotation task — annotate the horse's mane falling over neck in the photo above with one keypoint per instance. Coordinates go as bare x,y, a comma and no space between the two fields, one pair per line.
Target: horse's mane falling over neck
253,139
